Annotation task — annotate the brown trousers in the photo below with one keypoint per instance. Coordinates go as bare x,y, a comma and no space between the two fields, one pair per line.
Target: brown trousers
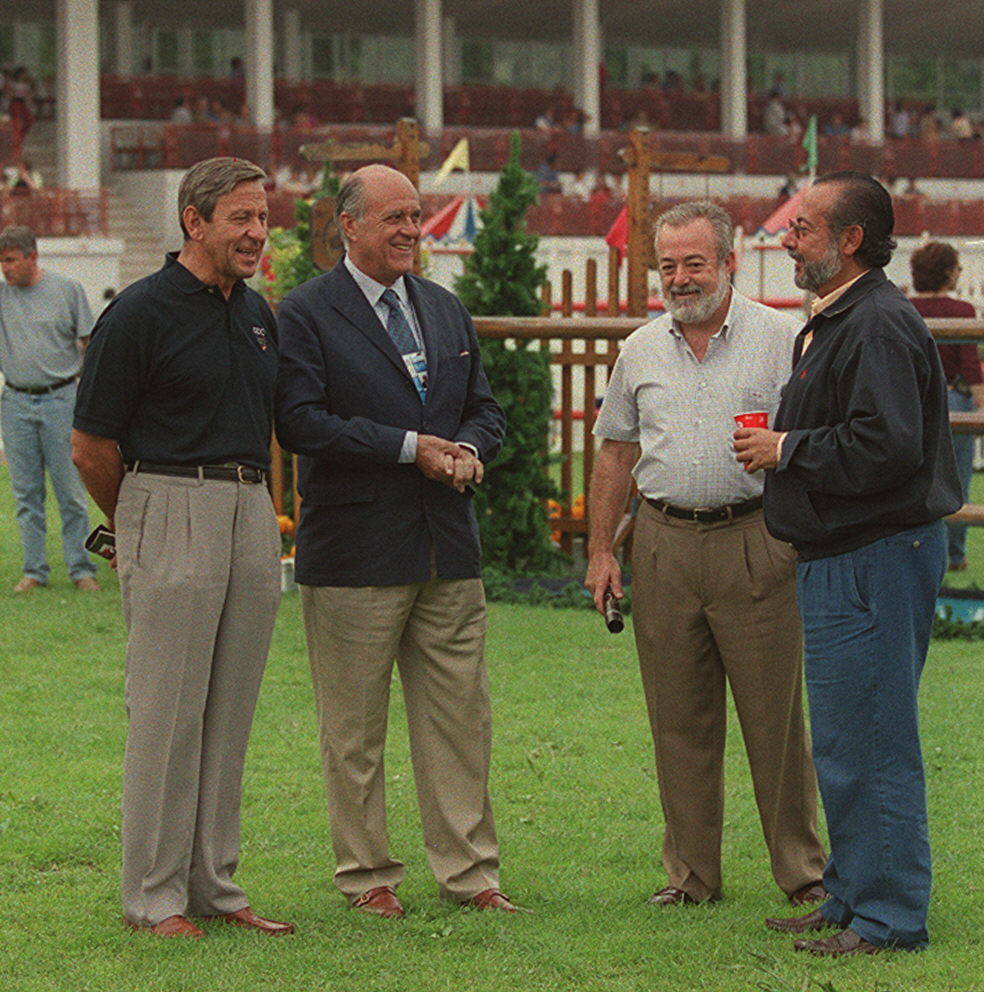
435,631
200,582
713,602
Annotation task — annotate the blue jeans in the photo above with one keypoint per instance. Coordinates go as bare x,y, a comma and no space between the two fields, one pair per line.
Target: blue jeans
963,449
867,617
37,436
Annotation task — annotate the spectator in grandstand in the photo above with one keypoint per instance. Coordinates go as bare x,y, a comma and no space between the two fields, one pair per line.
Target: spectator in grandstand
860,135
45,324
774,115
203,111
547,175
580,185
929,125
22,177
20,106
836,127
303,119
714,594
601,192
935,272
547,120
899,121
961,127
182,112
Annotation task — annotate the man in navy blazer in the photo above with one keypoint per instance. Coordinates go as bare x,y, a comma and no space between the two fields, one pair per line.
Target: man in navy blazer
381,392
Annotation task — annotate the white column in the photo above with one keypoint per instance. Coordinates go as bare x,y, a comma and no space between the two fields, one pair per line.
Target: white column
734,83
587,56
871,68
451,49
123,62
430,68
293,52
77,93
259,61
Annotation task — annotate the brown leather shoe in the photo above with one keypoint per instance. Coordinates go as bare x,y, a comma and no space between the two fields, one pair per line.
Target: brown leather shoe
247,919
814,920
493,899
87,584
811,892
840,945
380,901
671,896
173,926
26,583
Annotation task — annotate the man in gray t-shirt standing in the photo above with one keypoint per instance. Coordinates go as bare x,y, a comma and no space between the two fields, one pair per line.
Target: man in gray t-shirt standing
45,323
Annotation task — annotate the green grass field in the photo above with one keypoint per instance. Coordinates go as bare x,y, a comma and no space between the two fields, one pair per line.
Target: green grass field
574,791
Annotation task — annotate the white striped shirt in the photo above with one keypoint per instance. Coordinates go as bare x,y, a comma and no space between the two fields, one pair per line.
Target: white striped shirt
681,410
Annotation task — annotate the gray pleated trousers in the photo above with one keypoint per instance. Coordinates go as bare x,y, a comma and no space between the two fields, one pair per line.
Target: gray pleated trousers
199,578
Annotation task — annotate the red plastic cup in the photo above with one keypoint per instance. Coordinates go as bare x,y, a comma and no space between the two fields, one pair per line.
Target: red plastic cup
754,418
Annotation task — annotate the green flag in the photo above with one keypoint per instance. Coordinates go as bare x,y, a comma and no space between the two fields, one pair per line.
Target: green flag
810,145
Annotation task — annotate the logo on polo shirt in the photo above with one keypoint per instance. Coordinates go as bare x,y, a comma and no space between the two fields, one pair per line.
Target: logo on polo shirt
261,338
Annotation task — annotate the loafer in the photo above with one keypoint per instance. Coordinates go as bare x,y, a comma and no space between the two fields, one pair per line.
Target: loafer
811,892
672,896
247,919
839,946
380,901
814,920
87,584
492,899
173,926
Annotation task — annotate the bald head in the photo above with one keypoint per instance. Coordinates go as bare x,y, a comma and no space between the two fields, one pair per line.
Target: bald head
378,214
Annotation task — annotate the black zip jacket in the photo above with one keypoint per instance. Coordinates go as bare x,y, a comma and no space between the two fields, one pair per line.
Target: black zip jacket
868,450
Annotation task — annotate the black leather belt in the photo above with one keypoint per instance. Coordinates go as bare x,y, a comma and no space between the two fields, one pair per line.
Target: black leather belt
707,514
42,390
226,473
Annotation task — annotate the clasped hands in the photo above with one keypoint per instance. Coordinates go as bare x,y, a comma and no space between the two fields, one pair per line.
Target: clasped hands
447,462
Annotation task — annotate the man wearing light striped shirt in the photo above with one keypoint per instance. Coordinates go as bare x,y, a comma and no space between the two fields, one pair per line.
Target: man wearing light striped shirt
714,594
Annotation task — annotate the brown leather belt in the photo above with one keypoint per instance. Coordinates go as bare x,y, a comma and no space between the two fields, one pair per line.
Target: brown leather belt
707,514
226,473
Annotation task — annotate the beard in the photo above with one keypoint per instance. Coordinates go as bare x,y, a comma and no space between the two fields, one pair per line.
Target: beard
819,272
696,305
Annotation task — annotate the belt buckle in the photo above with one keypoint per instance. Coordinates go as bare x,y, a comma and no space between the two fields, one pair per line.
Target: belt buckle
698,510
241,471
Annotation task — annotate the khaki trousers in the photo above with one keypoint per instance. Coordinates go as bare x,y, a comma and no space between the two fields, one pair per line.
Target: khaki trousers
199,576
714,602
436,632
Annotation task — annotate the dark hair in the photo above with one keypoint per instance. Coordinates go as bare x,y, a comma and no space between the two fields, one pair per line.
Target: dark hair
17,237
206,181
932,265
862,200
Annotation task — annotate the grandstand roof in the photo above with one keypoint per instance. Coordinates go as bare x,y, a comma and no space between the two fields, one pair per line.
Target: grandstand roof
954,28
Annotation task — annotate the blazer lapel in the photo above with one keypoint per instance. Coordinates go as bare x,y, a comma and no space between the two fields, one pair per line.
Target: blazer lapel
352,304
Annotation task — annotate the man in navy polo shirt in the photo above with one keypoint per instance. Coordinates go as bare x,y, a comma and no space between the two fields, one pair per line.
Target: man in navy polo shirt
172,435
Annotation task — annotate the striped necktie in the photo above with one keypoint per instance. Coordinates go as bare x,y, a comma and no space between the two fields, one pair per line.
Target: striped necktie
398,326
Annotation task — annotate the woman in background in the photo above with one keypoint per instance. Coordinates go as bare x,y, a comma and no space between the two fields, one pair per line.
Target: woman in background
935,271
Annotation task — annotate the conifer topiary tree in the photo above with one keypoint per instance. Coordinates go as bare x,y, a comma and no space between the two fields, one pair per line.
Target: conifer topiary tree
502,278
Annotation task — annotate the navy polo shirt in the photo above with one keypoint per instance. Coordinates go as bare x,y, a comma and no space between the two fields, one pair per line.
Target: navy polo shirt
177,374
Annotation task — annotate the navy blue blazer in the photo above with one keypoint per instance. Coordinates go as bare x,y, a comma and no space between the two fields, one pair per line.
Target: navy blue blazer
345,400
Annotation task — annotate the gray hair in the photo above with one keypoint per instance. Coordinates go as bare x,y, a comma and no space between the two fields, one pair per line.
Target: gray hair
684,213
17,237
351,200
206,181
